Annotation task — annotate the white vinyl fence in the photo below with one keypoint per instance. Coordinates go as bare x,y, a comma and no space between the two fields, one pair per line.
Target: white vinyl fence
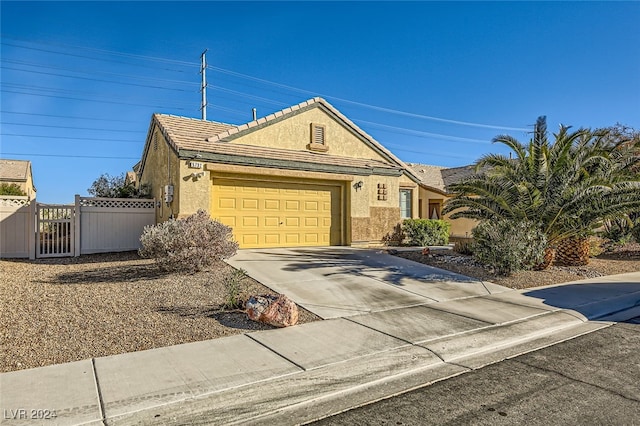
111,224
17,233
91,225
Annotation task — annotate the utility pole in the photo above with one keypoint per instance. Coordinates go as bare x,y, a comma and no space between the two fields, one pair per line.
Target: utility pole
203,89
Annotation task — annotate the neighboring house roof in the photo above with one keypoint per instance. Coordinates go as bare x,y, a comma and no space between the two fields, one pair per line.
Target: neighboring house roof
14,170
207,139
441,178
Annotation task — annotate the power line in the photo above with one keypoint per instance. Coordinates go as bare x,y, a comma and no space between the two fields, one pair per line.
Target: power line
246,95
71,127
95,100
68,116
71,138
403,130
113,52
164,80
70,156
66,91
96,79
262,99
82,56
362,104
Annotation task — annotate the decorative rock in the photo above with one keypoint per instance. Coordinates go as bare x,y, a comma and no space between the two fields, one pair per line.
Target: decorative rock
278,311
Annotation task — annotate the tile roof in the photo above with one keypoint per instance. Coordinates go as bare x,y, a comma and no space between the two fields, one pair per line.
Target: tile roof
439,177
297,156
14,170
212,137
189,133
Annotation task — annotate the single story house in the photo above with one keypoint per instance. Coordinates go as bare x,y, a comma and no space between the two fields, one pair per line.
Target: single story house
435,182
303,176
18,172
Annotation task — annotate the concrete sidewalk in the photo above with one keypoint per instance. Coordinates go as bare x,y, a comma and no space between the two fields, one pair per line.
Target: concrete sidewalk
305,372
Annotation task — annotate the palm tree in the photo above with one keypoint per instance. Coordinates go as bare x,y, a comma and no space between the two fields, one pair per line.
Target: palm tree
569,187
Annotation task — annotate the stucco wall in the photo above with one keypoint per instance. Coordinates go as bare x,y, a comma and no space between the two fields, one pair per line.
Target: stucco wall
459,227
295,133
195,191
162,167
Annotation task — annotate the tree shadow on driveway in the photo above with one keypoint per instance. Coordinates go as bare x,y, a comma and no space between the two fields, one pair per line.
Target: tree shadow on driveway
369,263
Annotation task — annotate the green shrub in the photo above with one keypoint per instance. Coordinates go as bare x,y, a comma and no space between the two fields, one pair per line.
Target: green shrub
11,189
232,282
619,231
426,232
464,246
188,245
508,246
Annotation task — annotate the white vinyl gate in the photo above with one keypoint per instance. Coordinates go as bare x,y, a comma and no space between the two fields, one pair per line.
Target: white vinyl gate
55,227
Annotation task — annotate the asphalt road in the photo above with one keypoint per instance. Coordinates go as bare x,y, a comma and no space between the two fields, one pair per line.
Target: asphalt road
590,380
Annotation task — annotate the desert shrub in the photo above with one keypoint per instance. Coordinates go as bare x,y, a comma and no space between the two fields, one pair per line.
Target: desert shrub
635,231
464,246
596,246
618,231
232,282
508,246
188,245
426,232
11,189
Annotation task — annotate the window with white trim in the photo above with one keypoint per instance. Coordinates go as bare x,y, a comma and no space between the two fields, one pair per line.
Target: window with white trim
405,203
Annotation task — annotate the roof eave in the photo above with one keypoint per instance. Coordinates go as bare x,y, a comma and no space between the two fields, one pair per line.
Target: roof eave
241,160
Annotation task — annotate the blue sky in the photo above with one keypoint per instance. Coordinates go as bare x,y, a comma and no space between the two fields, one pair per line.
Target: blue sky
432,81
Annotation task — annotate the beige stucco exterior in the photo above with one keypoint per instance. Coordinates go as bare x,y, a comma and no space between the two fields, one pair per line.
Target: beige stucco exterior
163,169
294,133
430,198
367,217
18,172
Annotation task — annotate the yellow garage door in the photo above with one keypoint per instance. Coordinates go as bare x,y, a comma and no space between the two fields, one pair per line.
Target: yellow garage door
278,214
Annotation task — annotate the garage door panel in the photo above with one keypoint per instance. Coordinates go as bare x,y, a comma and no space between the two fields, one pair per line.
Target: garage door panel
250,204
311,238
278,214
250,221
249,240
228,220
311,206
292,221
292,205
272,239
272,205
292,238
227,203
271,222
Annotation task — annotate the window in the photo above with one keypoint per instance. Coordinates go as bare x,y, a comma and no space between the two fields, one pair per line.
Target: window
405,203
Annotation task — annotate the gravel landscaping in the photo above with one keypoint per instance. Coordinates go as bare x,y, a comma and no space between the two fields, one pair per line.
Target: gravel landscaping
61,310
619,261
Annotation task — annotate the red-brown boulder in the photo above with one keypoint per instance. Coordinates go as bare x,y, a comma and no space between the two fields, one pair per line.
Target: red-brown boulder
279,311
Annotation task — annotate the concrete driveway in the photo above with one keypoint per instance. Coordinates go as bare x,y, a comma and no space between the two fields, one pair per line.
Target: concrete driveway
343,281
